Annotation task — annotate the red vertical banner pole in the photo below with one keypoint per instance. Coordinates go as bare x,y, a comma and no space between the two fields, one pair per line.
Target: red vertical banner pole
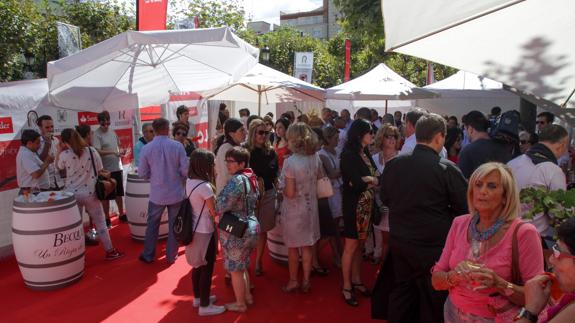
347,59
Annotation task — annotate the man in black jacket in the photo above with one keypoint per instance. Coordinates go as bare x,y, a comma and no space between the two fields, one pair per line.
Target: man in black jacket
424,193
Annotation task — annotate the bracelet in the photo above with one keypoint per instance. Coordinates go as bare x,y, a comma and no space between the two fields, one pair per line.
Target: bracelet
449,282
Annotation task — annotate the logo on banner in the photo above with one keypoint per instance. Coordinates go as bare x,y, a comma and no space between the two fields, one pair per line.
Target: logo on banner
31,118
6,125
62,116
303,66
122,115
88,118
193,111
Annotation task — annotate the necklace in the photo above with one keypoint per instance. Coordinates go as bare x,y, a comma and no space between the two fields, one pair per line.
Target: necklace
484,235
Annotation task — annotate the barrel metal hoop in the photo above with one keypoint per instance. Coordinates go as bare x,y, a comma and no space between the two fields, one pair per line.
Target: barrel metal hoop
44,204
281,243
137,195
54,264
43,210
47,285
139,224
49,231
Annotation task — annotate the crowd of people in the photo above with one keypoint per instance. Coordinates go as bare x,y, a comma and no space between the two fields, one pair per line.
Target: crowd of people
433,201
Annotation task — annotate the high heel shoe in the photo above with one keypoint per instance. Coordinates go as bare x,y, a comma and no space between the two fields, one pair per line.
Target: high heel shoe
305,287
360,287
235,307
351,301
289,289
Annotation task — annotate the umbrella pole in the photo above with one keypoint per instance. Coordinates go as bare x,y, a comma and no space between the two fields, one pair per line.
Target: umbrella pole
385,106
259,100
564,105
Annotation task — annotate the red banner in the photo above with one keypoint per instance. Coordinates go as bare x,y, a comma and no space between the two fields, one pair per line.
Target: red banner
89,118
347,59
203,140
151,14
8,152
126,143
6,125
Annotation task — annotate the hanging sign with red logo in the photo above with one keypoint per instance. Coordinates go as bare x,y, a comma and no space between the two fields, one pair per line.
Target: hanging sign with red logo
88,118
6,125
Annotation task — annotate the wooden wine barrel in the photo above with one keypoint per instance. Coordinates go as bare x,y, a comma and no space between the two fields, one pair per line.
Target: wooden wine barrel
137,196
48,241
277,250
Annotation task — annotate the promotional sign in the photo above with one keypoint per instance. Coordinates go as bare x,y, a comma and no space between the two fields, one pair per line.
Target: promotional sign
198,116
69,40
126,139
303,66
8,152
6,125
87,118
151,14
347,59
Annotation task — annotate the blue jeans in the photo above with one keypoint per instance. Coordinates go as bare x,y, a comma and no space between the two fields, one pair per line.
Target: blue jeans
154,215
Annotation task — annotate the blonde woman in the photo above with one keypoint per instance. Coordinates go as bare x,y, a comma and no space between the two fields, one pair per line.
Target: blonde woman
299,213
476,263
264,163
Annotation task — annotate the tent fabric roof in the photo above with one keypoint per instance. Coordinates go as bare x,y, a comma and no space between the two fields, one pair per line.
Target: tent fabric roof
465,81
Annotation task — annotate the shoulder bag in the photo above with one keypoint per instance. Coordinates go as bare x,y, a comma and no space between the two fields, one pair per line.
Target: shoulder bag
184,228
233,224
323,184
104,187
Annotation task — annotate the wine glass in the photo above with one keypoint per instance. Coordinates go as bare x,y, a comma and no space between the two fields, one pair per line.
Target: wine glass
475,259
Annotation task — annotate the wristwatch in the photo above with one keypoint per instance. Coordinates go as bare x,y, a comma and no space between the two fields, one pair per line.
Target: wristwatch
523,313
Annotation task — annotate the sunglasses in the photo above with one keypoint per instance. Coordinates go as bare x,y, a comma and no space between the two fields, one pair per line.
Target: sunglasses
179,133
230,161
541,122
390,137
558,254
523,142
105,122
263,132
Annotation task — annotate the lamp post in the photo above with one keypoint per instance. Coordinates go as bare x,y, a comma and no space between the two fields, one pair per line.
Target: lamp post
29,59
265,55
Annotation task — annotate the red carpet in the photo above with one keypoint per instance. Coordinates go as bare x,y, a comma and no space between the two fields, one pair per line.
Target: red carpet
127,290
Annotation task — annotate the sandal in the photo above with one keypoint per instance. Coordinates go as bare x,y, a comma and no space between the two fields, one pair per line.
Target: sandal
351,301
250,300
289,289
235,307
305,287
360,287
320,271
258,272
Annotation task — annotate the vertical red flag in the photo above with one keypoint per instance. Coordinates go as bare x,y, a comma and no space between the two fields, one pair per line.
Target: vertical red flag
347,59
430,74
151,14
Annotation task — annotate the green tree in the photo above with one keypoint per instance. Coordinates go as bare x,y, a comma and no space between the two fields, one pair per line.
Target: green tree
211,13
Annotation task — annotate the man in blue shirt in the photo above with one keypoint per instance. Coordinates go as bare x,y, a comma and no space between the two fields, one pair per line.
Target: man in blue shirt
164,163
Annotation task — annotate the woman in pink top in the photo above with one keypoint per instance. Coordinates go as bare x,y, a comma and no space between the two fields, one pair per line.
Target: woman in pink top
475,265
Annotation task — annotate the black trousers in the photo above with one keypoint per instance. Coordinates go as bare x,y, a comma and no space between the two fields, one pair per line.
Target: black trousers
202,276
413,298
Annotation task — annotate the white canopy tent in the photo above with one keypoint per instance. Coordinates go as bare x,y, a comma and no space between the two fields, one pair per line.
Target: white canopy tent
464,91
371,89
137,69
264,85
524,44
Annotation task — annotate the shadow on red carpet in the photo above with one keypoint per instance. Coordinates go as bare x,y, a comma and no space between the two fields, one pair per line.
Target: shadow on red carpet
127,290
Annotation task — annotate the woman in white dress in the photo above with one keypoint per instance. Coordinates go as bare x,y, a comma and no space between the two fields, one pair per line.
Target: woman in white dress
299,215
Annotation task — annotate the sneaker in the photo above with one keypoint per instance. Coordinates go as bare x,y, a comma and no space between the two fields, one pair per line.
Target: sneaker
144,260
90,241
114,254
211,310
196,302
108,223
123,218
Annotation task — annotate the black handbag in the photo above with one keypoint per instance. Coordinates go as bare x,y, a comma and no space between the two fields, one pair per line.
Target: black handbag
101,182
233,224
184,228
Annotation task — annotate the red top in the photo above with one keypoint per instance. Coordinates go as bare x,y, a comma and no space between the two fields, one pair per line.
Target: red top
282,153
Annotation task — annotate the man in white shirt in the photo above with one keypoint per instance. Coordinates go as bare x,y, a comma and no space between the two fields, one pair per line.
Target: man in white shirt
48,147
411,119
346,116
538,168
31,172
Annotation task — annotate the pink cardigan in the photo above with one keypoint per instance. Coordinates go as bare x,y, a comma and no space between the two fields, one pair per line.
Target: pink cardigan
498,259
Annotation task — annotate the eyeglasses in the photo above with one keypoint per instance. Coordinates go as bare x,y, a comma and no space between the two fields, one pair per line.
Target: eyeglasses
391,137
179,133
263,132
105,122
522,142
541,122
558,254
230,161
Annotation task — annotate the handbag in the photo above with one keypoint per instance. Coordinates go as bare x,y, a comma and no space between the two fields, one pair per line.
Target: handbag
233,224
184,228
324,188
104,187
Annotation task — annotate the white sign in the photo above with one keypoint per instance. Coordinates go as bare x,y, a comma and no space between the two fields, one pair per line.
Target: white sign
303,66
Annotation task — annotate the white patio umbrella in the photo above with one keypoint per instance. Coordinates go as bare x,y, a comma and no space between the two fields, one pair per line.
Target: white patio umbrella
526,44
267,85
136,69
380,83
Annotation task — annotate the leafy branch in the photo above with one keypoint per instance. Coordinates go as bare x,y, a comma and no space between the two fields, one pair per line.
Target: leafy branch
558,205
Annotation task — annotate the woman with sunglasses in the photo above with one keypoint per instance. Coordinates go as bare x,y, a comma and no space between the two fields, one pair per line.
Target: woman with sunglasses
180,133
453,141
476,264
359,175
239,196
264,163
540,289
386,143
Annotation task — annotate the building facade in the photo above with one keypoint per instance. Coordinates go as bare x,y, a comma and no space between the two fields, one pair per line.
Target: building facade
319,23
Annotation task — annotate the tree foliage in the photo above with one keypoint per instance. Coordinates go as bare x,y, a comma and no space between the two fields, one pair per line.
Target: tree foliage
211,13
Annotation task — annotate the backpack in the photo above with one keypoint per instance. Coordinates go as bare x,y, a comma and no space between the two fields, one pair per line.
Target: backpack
507,125
184,228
